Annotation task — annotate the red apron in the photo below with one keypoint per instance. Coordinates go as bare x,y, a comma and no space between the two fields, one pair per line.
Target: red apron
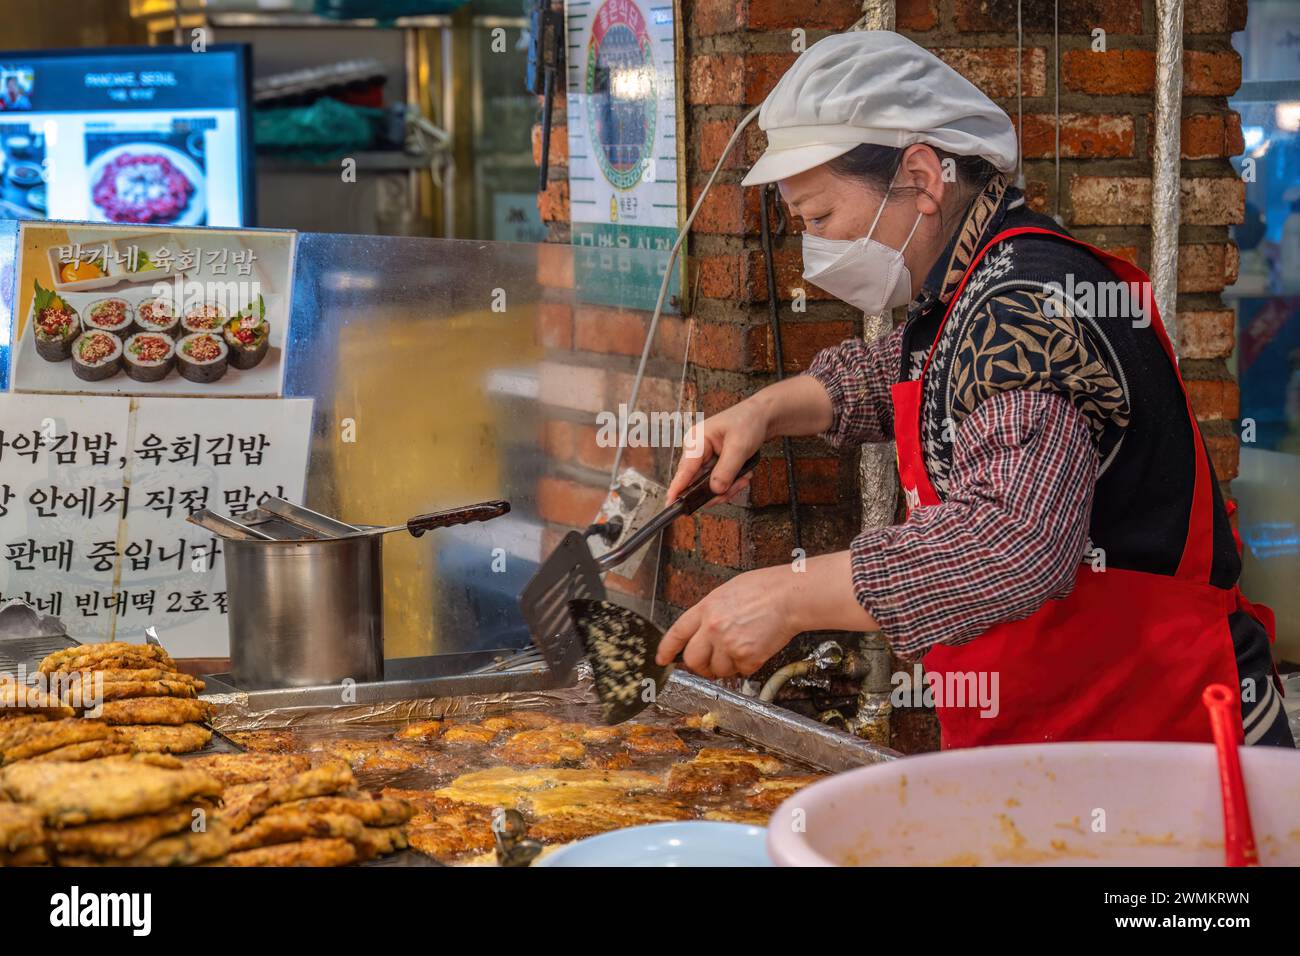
1124,657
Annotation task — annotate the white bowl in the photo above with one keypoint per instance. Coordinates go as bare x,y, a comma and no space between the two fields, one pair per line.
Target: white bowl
690,843
1070,804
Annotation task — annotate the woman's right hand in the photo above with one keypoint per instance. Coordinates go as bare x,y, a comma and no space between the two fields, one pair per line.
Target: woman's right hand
730,436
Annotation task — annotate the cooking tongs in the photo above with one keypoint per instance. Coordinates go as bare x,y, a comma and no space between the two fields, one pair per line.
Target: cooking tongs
572,572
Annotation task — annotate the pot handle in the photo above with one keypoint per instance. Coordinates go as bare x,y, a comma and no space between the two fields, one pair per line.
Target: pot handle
483,511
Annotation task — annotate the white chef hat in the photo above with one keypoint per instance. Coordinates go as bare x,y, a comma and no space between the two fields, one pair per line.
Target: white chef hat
875,86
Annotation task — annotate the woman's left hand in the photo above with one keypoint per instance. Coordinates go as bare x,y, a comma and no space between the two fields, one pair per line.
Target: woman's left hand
737,627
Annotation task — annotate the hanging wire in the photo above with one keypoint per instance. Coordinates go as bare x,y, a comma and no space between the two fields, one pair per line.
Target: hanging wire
1020,97
1056,77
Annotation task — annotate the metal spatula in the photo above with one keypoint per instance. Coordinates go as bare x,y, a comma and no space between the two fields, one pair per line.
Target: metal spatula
571,572
621,646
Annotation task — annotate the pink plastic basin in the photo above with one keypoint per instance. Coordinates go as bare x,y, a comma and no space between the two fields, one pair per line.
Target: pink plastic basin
1076,804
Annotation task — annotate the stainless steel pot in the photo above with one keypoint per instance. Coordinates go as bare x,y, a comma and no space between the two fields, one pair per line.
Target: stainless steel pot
305,592
305,613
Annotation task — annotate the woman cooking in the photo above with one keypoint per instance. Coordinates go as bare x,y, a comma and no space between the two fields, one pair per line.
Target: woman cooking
1065,533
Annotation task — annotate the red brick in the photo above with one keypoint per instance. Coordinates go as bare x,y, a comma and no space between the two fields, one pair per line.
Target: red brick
993,69
1207,73
1206,267
716,79
1076,16
729,209
711,17
1214,16
611,331
558,154
1224,452
656,394
1206,334
800,341
571,386
712,137
719,400
1212,200
1083,136
1214,398
916,15
686,587
1205,136
554,325
719,276
762,71
788,265
1110,200
1108,73
818,480
807,15
720,540
567,502
736,348
553,203
681,534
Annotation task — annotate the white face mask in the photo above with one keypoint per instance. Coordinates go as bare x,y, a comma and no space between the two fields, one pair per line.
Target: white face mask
862,272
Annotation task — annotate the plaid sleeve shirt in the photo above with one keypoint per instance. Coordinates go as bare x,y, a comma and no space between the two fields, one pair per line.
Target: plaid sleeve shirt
1012,527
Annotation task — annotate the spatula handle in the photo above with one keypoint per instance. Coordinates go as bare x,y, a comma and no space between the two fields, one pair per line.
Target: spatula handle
696,496
483,511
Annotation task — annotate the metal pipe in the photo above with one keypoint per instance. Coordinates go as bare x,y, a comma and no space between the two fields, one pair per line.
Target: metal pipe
1166,163
827,655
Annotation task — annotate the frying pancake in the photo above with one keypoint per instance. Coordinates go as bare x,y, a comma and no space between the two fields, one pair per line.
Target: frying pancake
584,820
68,794
648,739
333,852
763,763
166,761
159,738
20,826
250,768
23,700
291,827
468,733
696,779
180,849
87,690
156,710
38,737
447,829
379,841
421,730
242,803
36,855
543,747
267,741
770,793
85,656
754,818
124,838
374,756
384,811
88,750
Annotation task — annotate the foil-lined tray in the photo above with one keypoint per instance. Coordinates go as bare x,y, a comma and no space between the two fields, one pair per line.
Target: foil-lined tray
472,696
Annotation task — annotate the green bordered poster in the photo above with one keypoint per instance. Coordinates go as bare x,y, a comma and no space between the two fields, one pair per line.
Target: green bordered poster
622,117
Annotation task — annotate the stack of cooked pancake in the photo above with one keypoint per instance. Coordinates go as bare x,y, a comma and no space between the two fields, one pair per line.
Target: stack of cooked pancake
136,690
294,810
125,810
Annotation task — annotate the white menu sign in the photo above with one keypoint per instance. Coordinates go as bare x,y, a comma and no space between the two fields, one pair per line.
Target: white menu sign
94,493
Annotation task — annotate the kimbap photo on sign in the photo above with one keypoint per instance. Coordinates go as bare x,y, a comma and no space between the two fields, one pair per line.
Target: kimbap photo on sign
213,320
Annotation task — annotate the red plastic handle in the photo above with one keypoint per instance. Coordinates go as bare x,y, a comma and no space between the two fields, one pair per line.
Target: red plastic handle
1238,835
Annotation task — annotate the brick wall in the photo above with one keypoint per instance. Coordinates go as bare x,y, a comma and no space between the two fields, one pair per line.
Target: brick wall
735,52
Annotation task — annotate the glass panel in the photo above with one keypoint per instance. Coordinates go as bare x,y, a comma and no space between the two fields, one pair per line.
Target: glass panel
1266,301
444,374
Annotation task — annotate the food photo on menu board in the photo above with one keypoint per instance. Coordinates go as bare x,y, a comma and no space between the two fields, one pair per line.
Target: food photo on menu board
137,311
